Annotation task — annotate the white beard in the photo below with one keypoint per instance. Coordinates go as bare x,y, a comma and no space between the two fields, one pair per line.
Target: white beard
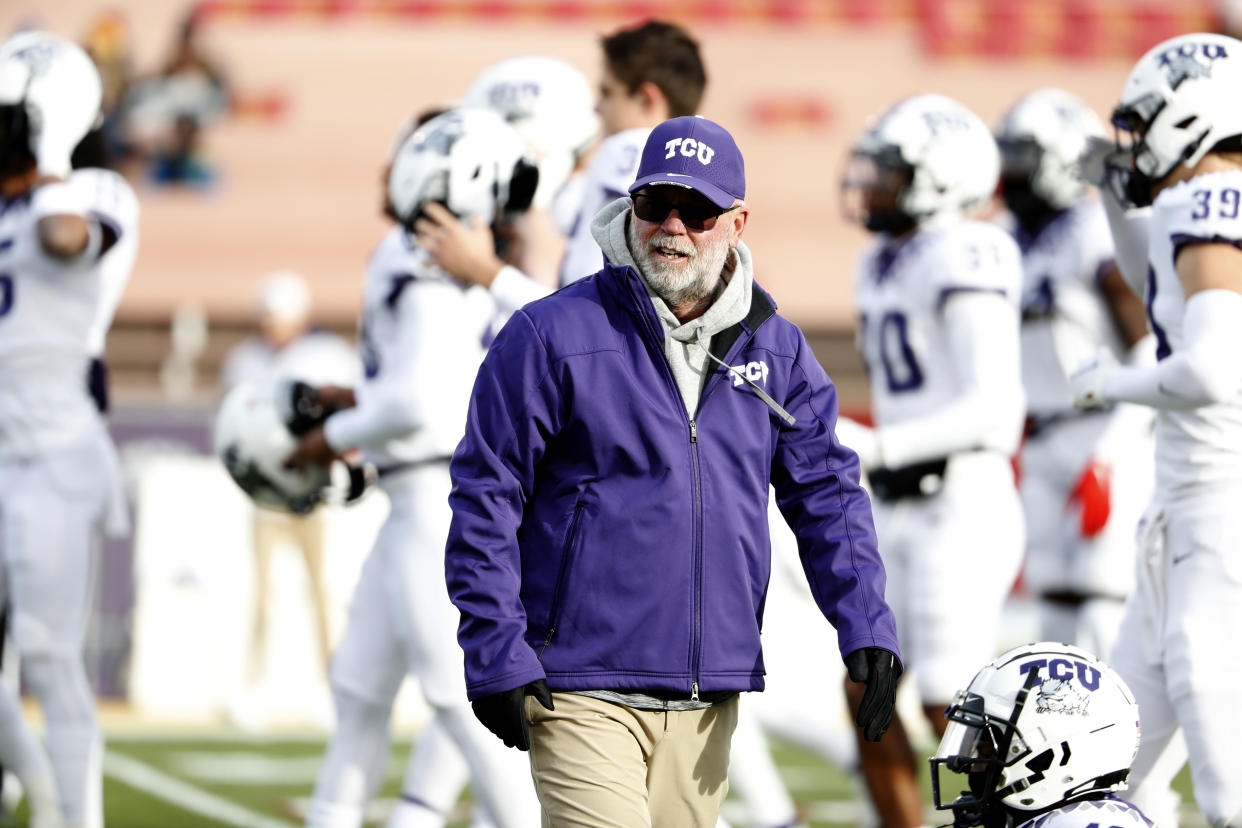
689,280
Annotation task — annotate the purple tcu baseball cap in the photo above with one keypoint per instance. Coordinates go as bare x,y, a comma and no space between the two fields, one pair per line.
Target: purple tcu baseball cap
696,153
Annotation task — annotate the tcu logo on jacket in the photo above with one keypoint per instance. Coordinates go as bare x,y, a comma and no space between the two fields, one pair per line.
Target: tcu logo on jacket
689,148
753,371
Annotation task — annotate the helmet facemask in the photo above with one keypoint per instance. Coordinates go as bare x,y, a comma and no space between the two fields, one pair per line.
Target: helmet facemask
1131,122
1022,161
15,155
979,746
873,190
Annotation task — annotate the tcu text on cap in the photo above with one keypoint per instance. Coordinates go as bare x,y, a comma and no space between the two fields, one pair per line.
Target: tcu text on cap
690,147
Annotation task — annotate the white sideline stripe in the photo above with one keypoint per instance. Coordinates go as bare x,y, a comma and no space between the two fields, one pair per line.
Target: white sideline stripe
147,779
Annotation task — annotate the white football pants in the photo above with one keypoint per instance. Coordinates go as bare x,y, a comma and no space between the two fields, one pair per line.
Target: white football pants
1058,557
401,622
53,507
951,560
1177,650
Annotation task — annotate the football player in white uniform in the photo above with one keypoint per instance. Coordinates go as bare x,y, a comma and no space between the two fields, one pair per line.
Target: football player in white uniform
937,298
1086,476
1179,109
423,337
59,232
1041,738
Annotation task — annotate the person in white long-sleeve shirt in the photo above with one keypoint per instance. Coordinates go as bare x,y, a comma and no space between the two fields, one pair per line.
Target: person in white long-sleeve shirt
423,335
1179,116
937,297
67,242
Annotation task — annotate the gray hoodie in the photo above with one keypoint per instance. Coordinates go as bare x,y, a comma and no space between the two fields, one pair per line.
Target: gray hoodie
684,344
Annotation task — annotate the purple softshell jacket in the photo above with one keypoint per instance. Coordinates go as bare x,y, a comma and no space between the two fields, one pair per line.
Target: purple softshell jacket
604,540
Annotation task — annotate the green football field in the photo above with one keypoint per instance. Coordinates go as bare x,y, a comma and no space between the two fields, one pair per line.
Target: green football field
232,779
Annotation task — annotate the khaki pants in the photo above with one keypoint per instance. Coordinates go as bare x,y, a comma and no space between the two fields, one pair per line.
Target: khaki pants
598,764
305,533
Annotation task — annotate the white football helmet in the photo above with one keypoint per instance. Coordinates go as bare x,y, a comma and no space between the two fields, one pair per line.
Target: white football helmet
550,104
470,161
925,157
1179,103
1041,138
50,94
253,438
1041,725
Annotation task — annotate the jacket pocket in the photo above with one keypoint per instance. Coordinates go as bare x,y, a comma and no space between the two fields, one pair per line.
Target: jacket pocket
562,575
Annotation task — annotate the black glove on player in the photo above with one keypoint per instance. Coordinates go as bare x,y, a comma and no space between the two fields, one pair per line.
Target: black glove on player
304,410
879,670
505,713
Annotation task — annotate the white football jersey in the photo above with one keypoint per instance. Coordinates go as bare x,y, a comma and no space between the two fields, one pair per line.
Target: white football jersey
611,172
1065,319
1110,813
54,314
900,292
424,334
1196,446
567,202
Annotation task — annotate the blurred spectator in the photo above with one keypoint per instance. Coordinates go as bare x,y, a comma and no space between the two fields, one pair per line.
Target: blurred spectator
108,43
286,347
165,115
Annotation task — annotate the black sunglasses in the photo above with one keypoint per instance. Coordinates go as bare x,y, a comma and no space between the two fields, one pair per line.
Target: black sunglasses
698,214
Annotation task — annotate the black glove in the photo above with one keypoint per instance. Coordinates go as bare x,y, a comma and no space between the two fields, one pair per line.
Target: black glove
505,713
879,670
301,407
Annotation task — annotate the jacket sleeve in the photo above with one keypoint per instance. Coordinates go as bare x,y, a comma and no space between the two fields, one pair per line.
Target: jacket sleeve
514,412
817,490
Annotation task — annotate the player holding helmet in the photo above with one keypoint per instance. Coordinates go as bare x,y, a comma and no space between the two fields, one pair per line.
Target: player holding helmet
550,104
1179,111
422,338
59,231
1041,738
937,300
1085,475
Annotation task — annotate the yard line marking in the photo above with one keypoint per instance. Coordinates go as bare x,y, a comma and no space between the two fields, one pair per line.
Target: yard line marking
249,767
147,779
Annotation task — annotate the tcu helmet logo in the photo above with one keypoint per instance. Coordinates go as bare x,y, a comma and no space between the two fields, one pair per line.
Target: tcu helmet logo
517,99
944,121
37,57
1061,696
1182,63
690,148
753,371
1062,669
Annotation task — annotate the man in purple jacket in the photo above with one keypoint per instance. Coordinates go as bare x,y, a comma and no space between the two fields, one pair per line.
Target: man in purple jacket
609,548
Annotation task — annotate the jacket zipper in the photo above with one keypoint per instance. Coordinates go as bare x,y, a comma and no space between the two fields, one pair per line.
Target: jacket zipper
696,599
698,521
570,539
697,642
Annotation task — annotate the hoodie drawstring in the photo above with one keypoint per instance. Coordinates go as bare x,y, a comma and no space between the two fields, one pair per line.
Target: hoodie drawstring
763,395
